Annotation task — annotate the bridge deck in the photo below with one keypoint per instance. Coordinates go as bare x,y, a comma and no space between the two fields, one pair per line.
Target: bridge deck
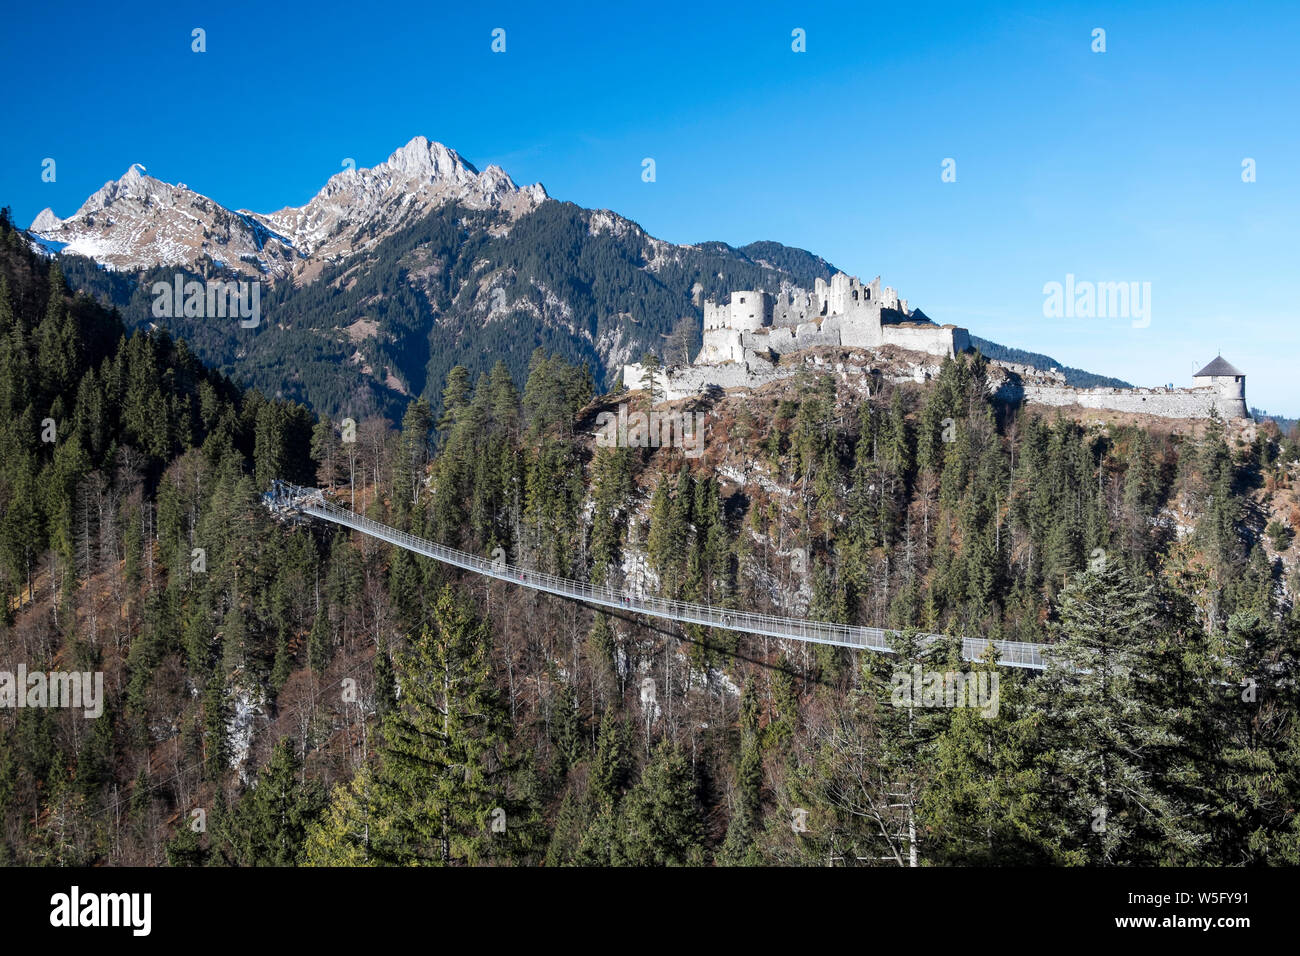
287,498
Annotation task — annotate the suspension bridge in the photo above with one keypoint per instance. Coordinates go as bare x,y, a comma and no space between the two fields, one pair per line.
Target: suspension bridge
289,500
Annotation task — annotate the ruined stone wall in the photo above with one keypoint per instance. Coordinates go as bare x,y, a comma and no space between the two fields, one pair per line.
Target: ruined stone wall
716,316
792,308
753,372
845,293
935,339
1029,371
720,345
857,328
841,312
784,339
1164,402
860,328
677,383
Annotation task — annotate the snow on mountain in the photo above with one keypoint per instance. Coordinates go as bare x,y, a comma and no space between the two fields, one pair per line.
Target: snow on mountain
139,221
419,177
45,221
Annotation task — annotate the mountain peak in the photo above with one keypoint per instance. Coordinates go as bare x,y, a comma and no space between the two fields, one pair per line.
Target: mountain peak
45,221
426,158
137,220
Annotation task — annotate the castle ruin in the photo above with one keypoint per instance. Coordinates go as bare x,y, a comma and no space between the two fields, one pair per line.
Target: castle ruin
744,339
1219,389
842,312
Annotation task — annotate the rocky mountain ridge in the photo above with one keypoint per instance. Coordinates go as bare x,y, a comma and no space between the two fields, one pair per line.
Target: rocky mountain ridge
138,221
390,276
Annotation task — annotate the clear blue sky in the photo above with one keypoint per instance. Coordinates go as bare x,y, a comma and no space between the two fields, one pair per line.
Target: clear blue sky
1115,166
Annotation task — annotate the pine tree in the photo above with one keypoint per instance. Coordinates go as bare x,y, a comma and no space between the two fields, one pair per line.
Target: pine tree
1246,750
413,449
186,848
571,822
739,847
661,820
984,805
443,758
651,365
611,767
346,830
566,729
326,449
216,748
1108,729
274,817
455,393
385,681
320,647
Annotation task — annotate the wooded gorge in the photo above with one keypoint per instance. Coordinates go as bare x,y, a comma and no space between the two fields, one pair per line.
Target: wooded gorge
292,694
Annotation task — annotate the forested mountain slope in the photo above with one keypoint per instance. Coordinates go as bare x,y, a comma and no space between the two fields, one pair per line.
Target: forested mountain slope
463,286
359,334
319,698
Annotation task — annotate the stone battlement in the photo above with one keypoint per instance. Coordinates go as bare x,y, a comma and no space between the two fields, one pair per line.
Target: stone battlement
1217,389
844,311
745,337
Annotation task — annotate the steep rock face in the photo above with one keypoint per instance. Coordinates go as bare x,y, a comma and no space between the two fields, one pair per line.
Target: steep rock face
137,221
437,262
359,208
46,221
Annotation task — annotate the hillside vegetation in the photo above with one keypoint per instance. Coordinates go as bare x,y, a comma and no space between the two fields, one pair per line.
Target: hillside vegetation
283,693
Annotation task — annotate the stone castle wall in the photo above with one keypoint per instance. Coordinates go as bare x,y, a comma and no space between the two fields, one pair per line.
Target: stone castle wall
935,339
750,309
1164,402
742,337
683,382
753,371
783,341
858,328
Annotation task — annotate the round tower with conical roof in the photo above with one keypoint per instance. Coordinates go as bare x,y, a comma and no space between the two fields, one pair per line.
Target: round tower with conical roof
1229,384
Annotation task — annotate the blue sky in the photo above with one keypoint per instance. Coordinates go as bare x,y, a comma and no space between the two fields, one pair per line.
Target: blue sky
1116,166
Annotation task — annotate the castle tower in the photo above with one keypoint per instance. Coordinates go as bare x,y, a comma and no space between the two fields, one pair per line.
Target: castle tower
716,316
1230,385
750,310
844,293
